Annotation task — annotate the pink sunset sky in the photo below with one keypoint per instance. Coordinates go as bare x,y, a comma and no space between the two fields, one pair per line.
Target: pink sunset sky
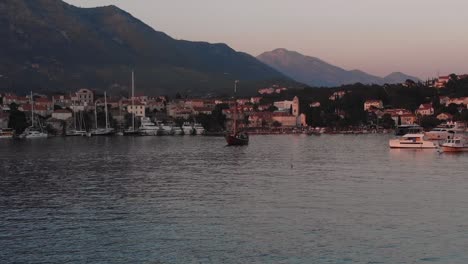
418,37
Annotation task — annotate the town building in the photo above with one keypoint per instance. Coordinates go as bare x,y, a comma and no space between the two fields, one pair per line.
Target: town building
138,109
425,110
445,117
84,97
62,100
378,104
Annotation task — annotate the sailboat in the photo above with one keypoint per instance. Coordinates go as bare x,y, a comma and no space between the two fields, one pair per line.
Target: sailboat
32,131
131,131
76,131
236,137
108,131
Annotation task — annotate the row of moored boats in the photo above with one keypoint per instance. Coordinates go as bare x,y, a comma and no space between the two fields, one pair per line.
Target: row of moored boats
448,137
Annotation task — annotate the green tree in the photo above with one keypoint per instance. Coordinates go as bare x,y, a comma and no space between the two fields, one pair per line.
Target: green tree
429,122
387,121
17,121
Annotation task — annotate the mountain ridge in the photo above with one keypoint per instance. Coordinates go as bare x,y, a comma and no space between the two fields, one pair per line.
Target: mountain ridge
317,72
54,45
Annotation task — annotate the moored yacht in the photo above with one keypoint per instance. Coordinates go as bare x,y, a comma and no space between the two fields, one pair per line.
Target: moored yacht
177,130
199,129
148,128
188,129
167,129
412,141
445,131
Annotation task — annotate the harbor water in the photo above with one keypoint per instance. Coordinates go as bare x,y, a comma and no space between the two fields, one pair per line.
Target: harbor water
282,199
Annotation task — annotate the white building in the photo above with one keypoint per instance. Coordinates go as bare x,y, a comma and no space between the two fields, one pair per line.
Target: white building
138,109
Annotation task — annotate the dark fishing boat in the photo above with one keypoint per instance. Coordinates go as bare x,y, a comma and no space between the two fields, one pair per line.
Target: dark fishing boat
236,137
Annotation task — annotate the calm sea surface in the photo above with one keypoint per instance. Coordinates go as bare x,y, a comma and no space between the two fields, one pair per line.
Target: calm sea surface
282,199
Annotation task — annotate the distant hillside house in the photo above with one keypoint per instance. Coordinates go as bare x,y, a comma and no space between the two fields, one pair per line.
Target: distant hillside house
337,95
457,101
443,100
314,104
378,104
444,116
405,116
441,81
255,100
425,110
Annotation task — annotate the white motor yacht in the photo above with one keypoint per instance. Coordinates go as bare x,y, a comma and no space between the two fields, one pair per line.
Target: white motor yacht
148,128
446,131
412,141
167,130
188,129
177,130
199,130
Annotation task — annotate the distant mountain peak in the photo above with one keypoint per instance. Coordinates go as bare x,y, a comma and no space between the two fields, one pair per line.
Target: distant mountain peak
316,72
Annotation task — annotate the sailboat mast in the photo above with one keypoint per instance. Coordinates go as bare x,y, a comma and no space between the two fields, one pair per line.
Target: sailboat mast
235,108
105,109
32,109
133,101
95,113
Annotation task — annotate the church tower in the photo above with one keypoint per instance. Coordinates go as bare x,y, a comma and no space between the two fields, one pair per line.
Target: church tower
295,106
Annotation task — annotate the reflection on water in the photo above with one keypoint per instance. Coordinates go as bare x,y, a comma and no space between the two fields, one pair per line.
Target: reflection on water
282,199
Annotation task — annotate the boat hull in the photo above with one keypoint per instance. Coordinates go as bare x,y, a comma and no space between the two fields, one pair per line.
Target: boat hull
233,140
454,149
411,145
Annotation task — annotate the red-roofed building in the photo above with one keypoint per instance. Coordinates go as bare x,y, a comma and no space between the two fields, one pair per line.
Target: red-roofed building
425,110
62,100
38,109
445,116
41,101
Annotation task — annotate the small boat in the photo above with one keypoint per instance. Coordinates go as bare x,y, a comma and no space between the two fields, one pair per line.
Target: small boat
103,132
148,128
166,129
177,130
75,133
131,131
187,128
107,131
199,129
236,137
457,143
412,141
6,133
33,133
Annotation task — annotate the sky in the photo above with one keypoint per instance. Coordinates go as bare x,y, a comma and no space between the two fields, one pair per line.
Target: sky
418,37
